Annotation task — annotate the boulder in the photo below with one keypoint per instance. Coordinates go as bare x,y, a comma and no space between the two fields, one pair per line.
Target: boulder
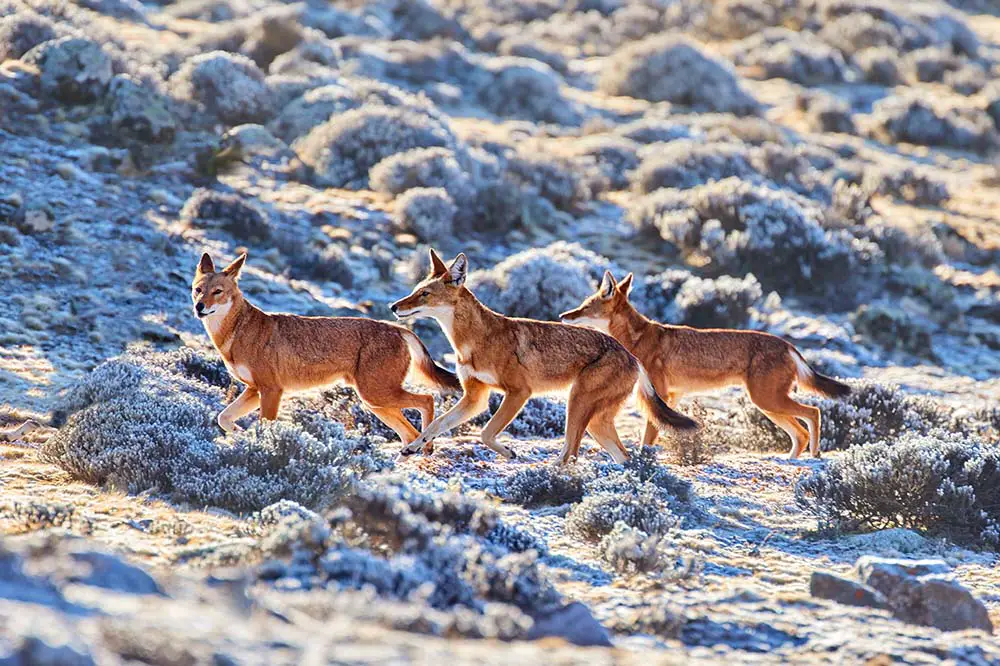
848,592
922,592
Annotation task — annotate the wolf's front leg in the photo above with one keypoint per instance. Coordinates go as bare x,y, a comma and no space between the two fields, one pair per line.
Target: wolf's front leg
247,401
473,402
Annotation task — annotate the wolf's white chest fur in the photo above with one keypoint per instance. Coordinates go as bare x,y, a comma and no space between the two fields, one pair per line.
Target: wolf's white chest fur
466,371
241,372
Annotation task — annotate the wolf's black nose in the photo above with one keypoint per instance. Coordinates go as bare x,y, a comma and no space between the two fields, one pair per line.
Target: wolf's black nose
199,307
394,307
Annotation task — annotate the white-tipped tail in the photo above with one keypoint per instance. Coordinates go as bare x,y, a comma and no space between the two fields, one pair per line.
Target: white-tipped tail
811,380
653,406
425,368
802,369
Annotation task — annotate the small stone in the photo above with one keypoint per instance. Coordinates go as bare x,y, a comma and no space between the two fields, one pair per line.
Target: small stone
165,198
848,592
574,623
35,219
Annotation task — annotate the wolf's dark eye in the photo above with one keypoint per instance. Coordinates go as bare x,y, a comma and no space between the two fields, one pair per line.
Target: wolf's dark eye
216,292
425,293
197,290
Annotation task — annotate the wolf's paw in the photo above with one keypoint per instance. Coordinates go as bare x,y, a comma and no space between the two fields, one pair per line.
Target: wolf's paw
413,447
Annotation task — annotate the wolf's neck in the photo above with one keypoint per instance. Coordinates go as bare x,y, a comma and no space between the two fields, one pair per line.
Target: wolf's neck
628,326
222,329
466,323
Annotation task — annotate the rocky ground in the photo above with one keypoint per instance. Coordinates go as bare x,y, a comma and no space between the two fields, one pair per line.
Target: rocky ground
820,169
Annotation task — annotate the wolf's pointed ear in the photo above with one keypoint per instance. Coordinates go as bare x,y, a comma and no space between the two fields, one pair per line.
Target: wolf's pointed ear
437,266
607,288
206,265
233,269
458,270
625,286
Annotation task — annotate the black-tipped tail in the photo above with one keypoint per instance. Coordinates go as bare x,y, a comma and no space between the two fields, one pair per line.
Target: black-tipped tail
662,414
815,382
829,387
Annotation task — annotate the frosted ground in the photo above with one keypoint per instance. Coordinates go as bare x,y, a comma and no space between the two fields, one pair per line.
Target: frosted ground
820,169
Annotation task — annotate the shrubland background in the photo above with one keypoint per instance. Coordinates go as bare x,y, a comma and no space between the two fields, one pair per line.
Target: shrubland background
820,169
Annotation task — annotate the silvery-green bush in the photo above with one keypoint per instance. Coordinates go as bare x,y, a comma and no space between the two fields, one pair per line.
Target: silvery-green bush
671,68
146,422
938,483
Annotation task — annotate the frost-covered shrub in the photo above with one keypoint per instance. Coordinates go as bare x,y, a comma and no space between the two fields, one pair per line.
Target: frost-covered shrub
630,550
857,31
539,283
343,149
72,69
930,64
827,113
552,178
742,228
684,164
427,212
598,513
654,130
146,422
673,69
879,64
968,79
227,85
423,167
548,484
736,19
442,551
614,156
642,493
676,296
909,184
912,120
783,54
319,104
894,329
945,485
526,89
21,32
528,48
872,412
541,418
242,218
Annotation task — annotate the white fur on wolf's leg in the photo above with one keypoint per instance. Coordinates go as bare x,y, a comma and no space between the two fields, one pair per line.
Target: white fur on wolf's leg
502,449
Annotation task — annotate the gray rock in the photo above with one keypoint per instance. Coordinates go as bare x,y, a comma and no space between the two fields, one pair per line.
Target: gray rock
574,623
73,69
920,592
827,586
871,565
111,573
139,112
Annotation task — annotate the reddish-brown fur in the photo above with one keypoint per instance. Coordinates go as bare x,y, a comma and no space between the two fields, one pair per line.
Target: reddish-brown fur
276,353
681,360
524,357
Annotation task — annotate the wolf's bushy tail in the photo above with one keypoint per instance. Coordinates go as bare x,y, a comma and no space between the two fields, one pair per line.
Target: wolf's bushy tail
813,381
421,361
655,408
